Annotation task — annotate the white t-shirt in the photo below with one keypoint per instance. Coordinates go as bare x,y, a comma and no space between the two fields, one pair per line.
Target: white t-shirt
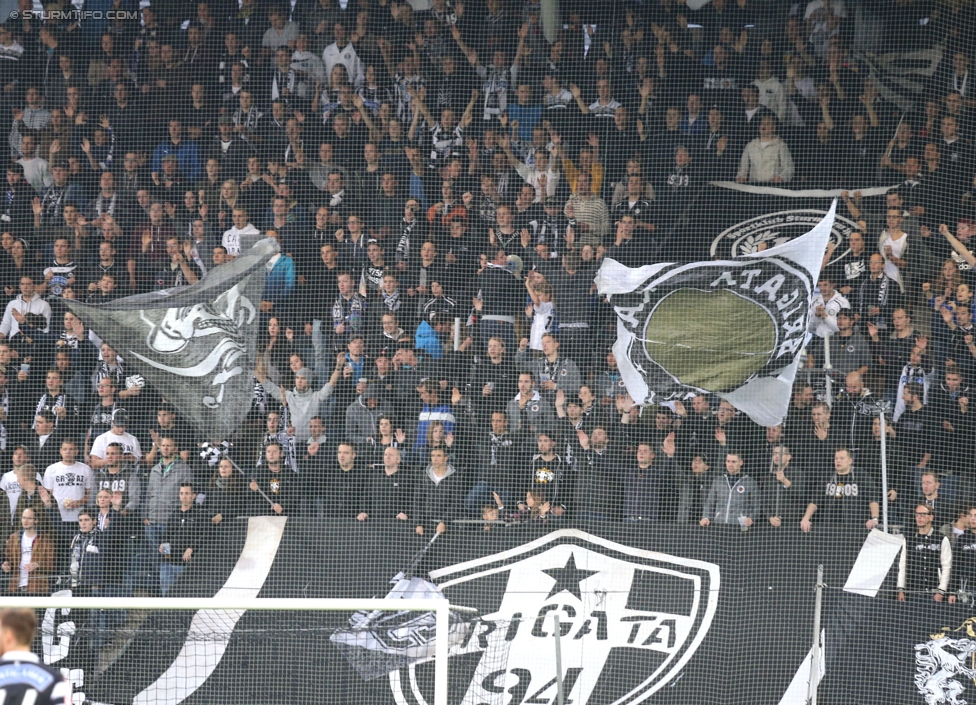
26,551
541,322
68,482
10,486
897,247
129,443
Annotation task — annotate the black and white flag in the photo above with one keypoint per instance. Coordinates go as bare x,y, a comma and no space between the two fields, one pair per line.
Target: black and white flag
734,327
903,78
194,344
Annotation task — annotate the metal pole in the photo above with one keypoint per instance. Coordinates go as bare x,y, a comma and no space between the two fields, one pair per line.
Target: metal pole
442,624
884,473
247,478
560,696
828,368
457,334
815,651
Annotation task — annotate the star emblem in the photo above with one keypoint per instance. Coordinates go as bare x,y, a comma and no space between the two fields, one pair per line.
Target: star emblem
568,578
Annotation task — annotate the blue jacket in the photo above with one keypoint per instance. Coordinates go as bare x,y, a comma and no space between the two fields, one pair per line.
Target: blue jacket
442,412
279,284
186,152
427,340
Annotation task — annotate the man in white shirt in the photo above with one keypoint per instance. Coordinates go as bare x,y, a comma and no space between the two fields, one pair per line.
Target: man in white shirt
26,302
281,33
69,482
36,171
131,450
342,51
9,482
242,230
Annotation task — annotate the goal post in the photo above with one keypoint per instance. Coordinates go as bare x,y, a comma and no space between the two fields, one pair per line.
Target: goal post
440,607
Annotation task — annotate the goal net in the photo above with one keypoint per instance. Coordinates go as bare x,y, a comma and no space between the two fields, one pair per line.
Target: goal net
180,650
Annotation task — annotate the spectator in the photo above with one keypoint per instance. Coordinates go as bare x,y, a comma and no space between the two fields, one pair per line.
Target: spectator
131,450
644,484
225,493
29,558
302,402
180,539
962,536
69,484
783,488
120,479
87,556
438,495
432,411
529,411
389,490
162,498
845,497
726,503
276,488
926,568
363,415
766,158
877,295
597,491
589,218
26,302
115,529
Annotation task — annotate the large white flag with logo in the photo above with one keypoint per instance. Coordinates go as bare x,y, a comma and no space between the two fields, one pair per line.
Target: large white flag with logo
732,327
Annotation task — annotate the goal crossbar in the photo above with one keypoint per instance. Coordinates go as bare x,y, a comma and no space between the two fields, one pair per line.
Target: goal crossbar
440,607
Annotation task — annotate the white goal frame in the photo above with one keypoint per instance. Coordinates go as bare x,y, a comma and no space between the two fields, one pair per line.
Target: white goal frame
440,607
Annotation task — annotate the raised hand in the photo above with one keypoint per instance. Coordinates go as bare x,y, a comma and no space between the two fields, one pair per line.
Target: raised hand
668,445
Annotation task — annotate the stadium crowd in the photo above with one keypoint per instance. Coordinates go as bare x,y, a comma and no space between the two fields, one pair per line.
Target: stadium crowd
444,184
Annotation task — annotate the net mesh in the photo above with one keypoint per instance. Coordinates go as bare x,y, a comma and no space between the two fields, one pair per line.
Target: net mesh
450,370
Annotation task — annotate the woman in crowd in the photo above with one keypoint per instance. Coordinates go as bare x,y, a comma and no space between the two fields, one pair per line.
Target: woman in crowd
390,437
225,493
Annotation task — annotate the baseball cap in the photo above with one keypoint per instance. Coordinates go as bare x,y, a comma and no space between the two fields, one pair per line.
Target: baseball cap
845,311
304,372
120,417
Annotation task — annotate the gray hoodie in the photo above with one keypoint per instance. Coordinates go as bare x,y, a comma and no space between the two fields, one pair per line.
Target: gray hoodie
304,405
363,422
163,492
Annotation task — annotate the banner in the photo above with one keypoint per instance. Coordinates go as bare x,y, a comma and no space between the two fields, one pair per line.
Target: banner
194,344
648,614
728,219
732,327
883,651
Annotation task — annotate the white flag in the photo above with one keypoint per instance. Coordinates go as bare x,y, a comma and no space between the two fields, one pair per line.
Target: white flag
731,327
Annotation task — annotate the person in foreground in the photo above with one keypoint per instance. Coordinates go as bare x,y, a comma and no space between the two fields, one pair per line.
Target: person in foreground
25,679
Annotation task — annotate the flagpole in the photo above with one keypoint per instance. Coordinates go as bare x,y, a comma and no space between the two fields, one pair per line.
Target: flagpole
891,145
260,491
884,472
